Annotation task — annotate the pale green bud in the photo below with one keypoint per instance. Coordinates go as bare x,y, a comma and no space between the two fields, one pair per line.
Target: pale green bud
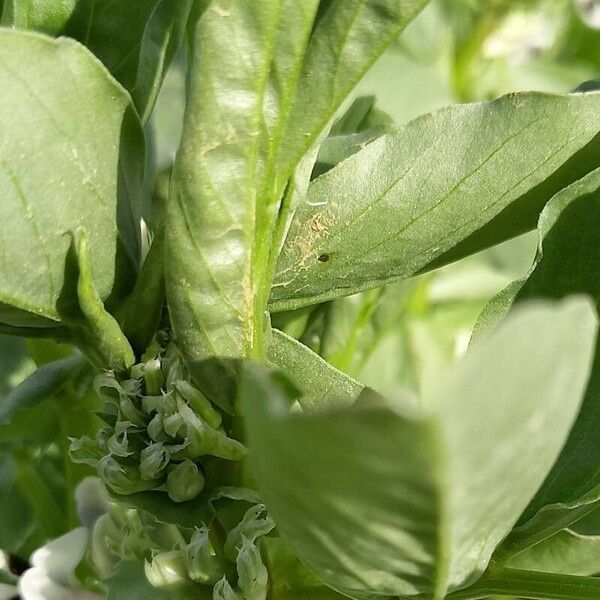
198,402
85,451
201,560
153,376
131,412
254,524
166,568
176,373
153,461
156,430
118,443
150,404
121,478
111,390
185,481
223,591
204,440
253,577
173,424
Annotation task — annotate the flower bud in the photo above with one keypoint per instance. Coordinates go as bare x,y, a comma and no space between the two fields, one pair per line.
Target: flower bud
253,577
123,479
153,376
254,524
118,443
153,461
205,440
201,560
176,373
173,424
85,451
131,412
199,403
166,568
156,430
223,591
150,404
185,481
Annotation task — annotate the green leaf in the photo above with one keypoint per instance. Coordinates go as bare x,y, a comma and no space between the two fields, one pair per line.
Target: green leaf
246,59
59,101
567,263
162,38
42,384
321,385
17,525
566,552
445,185
290,579
141,312
45,16
135,41
413,511
99,333
348,37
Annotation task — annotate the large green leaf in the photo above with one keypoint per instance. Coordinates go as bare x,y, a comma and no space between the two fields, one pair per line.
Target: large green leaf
135,40
222,205
71,155
385,502
443,186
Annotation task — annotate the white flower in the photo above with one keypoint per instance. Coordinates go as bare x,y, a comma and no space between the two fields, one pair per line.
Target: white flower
52,574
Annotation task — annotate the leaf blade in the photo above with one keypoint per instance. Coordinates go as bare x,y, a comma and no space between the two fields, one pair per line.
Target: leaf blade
416,474
412,200
49,87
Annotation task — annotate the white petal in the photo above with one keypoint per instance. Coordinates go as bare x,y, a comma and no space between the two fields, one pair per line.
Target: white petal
60,557
92,501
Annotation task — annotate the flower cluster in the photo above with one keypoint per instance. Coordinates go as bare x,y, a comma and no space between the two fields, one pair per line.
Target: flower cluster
159,428
175,556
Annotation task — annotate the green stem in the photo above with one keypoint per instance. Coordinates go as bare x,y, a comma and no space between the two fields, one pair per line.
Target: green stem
530,584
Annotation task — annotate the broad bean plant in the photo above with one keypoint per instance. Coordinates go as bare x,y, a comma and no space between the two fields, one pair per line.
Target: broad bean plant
184,322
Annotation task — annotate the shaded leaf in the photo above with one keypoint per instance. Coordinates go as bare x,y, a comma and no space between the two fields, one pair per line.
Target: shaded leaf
141,312
434,515
567,263
99,333
188,514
